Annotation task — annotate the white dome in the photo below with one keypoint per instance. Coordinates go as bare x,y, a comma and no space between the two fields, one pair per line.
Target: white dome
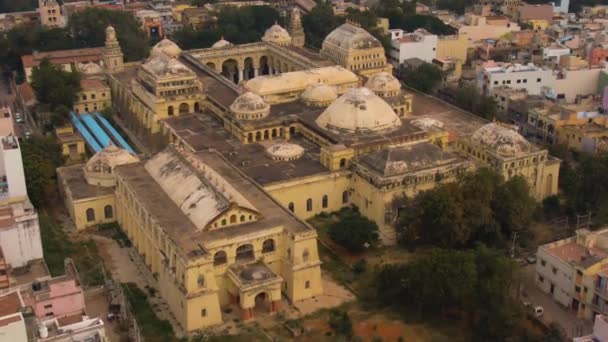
359,111
319,94
162,65
166,47
99,170
285,151
250,106
503,140
277,34
383,82
221,43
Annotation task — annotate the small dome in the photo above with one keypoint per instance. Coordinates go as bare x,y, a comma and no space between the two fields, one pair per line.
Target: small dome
250,106
278,35
285,151
383,83
167,47
319,94
350,37
359,111
99,170
90,68
162,65
221,43
505,141
110,33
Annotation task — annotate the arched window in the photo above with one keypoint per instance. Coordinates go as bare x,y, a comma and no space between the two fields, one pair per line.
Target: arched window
309,204
108,212
325,200
244,253
268,246
232,218
223,222
170,110
219,258
201,280
305,255
342,163
291,207
242,218
90,215
345,197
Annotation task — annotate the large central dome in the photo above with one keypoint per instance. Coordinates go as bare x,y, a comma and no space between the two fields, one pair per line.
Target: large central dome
503,140
350,37
359,111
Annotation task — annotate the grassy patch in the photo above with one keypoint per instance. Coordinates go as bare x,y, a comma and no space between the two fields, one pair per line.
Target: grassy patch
151,327
58,246
113,230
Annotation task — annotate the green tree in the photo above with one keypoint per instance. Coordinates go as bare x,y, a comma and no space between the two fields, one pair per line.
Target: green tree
469,98
340,322
41,157
55,86
318,23
89,26
513,206
424,78
353,231
18,5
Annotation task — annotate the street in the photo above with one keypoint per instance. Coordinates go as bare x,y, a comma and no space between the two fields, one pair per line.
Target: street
8,97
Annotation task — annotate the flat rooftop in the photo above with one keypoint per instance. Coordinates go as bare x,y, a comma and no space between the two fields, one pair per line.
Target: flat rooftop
572,252
80,189
202,132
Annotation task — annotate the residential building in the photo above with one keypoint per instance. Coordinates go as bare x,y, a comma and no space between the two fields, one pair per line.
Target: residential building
94,96
453,47
418,44
5,281
69,60
570,83
6,121
529,77
8,21
477,27
151,22
80,328
598,54
19,228
12,323
554,52
505,95
571,272
529,12
561,6
51,14
600,330
197,17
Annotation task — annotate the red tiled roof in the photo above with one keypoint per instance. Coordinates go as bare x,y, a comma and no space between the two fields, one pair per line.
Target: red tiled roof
90,84
10,303
7,321
63,56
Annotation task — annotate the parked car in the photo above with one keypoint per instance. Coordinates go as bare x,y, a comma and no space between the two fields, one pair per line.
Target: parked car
18,117
538,311
28,134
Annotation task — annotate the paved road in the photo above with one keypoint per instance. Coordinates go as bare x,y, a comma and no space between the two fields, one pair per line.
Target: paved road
554,312
8,97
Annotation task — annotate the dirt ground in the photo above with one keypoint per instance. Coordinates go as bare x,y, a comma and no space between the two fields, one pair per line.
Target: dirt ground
333,295
97,306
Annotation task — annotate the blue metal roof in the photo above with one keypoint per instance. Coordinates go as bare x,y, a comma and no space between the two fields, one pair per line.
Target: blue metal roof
117,137
91,141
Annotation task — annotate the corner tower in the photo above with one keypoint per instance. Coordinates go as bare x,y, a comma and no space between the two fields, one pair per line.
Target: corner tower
295,28
112,54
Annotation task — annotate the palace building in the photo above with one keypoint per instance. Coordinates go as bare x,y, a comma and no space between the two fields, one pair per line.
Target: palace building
249,140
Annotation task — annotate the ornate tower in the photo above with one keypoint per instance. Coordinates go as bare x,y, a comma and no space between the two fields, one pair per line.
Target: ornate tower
295,28
50,13
112,54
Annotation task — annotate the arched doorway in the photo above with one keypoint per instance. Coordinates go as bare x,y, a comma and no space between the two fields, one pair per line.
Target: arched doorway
184,108
211,65
262,302
264,69
248,71
230,70
197,107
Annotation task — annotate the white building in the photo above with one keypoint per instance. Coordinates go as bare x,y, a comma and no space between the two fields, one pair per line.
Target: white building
418,44
517,76
19,227
554,52
600,331
561,6
88,329
12,323
568,83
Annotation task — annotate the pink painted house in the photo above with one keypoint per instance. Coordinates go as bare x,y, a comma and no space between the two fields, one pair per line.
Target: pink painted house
57,297
598,53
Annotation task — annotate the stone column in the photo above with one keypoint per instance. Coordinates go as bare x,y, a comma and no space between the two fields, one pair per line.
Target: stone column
270,70
255,72
240,75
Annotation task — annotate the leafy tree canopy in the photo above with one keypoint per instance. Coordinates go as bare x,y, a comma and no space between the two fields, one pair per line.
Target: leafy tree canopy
424,78
353,231
468,98
41,156
318,23
18,5
55,86
480,207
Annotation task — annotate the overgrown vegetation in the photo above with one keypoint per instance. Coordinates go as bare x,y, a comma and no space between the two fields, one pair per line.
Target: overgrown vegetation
475,285
425,78
41,157
238,25
152,328
114,231
58,246
402,14
353,231
480,207
56,88
18,5
469,98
